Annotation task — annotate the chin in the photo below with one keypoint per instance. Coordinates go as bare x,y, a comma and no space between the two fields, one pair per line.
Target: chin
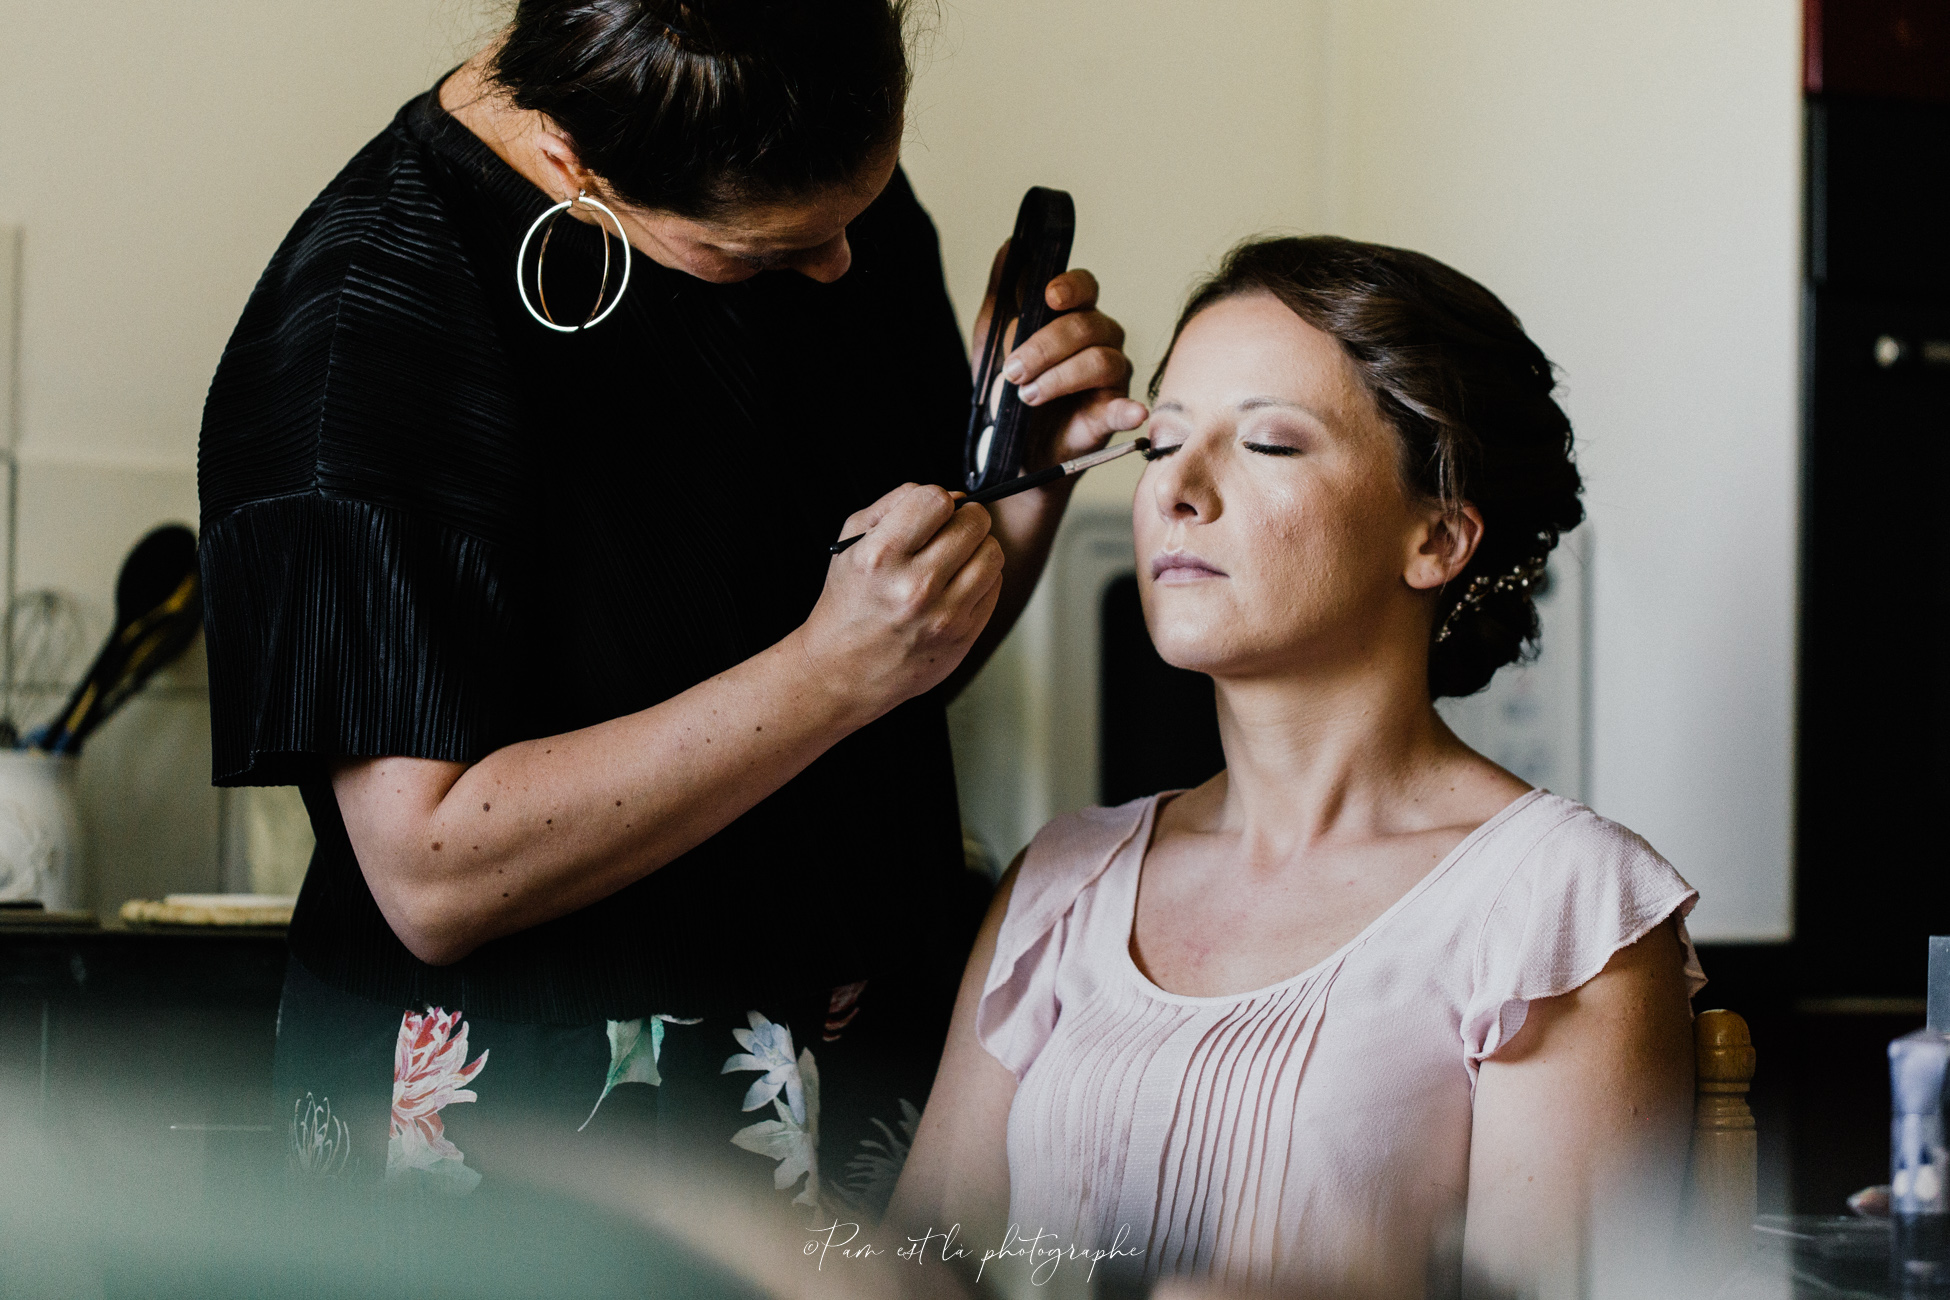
1201,646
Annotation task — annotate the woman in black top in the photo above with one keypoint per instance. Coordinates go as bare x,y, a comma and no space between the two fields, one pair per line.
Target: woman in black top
616,777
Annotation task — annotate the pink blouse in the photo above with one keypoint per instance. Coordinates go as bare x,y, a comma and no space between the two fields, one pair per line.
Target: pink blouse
1318,1129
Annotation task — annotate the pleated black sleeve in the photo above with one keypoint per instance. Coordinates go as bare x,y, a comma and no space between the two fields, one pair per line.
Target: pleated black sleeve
433,528
361,484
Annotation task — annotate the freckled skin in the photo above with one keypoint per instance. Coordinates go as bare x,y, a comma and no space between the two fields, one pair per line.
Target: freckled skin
1274,466
1313,542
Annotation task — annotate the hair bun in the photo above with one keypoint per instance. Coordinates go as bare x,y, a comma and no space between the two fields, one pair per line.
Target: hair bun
696,107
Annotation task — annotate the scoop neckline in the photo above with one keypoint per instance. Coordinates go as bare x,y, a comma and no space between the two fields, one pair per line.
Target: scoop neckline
1140,844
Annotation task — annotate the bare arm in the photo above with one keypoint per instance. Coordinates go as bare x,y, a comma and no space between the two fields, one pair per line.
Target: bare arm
459,854
1581,1124
958,1171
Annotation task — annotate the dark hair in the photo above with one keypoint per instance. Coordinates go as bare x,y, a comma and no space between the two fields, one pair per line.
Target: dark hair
697,106
1470,396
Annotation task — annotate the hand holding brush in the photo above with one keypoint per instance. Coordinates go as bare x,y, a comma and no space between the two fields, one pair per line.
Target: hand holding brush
1008,488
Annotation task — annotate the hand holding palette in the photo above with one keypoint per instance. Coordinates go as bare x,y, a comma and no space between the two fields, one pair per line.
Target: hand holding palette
1039,251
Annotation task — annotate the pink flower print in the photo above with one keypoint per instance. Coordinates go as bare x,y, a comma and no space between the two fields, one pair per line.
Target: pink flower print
430,1070
841,1007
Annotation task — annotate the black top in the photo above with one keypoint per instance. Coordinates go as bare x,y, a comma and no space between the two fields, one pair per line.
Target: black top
432,527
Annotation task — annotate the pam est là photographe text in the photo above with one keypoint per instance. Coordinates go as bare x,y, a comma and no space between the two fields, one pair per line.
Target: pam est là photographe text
1043,1252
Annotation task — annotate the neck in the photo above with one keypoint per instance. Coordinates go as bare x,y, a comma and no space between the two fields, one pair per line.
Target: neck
1347,751
478,104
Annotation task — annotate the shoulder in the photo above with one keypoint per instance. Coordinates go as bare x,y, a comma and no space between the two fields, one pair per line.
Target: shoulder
1574,889
383,207
1019,1003
1557,847
1070,852
1067,857
368,363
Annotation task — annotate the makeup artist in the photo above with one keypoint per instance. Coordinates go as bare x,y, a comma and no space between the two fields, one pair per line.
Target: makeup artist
635,813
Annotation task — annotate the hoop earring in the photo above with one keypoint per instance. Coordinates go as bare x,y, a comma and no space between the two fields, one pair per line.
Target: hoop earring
598,313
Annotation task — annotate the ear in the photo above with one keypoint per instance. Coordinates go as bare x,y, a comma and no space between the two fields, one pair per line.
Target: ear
564,165
1443,546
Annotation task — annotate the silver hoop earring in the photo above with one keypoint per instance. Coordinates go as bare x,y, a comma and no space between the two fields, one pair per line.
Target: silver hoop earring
598,313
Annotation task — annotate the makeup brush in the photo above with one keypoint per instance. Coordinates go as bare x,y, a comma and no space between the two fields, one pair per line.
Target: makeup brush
1068,469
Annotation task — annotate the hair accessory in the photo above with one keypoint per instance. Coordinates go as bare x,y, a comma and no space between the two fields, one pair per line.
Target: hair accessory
597,313
1484,585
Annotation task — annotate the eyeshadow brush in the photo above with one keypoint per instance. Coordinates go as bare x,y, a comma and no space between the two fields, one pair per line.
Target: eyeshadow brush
1023,483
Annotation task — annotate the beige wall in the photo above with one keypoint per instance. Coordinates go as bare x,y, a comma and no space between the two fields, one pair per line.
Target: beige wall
1625,177
156,154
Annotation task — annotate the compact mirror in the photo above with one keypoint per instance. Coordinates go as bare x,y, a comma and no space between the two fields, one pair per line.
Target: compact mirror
1039,251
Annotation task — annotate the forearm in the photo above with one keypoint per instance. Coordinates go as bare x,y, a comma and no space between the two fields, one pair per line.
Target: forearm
1025,526
539,829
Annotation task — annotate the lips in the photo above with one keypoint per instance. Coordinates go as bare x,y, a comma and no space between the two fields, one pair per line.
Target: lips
1182,566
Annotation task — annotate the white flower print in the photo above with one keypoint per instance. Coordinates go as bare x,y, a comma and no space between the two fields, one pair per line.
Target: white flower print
320,1142
633,1055
871,1175
791,1139
768,1047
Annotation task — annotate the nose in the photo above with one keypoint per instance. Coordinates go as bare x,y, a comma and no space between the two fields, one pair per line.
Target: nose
826,263
1184,487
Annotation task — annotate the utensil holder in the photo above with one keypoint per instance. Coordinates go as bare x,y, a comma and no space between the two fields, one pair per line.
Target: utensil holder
40,834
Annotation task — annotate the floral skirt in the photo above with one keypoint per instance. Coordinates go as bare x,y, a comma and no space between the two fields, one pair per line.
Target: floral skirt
812,1099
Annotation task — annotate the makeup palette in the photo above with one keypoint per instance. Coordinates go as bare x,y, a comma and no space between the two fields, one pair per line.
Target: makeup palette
1039,251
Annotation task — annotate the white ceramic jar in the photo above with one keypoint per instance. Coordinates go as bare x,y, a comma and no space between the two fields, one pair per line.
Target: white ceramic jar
40,834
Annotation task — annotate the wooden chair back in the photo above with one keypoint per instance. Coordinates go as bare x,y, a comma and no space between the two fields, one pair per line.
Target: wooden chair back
1723,1174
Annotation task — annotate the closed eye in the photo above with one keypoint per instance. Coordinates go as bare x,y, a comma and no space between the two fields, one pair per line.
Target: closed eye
1154,450
1270,449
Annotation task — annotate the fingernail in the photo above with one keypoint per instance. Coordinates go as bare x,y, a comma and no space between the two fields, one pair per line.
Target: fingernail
1029,393
1014,370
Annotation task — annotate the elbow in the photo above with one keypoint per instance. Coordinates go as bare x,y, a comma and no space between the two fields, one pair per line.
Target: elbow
432,946
431,925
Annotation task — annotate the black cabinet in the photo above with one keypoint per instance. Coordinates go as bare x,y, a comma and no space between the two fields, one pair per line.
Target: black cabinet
1873,864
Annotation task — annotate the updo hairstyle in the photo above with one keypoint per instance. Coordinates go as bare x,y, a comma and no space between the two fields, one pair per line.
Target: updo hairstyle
1470,397
699,107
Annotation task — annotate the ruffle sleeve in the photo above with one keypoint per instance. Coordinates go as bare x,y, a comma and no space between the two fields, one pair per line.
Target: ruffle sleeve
366,492
341,628
1019,1005
1584,890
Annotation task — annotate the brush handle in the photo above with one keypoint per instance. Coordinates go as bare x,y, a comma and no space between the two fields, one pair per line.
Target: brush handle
1027,482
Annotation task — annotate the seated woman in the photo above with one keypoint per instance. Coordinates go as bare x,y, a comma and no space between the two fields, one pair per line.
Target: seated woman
1363,1013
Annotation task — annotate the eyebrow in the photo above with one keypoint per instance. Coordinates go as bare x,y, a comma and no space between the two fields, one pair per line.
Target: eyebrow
1248,404
770,260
